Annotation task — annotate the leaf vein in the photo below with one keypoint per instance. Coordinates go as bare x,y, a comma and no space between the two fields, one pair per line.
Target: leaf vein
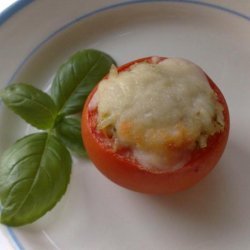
79,85
34,180
34,101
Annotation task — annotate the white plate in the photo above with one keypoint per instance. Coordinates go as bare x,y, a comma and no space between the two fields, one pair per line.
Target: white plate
95,213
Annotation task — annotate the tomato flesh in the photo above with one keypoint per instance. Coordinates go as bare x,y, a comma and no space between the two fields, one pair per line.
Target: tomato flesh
120,168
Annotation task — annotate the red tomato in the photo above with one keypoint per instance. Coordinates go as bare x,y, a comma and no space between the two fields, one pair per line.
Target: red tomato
121,169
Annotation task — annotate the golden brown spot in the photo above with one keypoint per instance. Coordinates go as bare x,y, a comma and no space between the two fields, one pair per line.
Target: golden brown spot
125,129
181,139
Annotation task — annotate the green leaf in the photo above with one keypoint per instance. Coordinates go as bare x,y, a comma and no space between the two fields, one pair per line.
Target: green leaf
34,174
77,77
69,131
33,105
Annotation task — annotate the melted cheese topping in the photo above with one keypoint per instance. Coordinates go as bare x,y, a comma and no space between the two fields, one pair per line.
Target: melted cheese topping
162,110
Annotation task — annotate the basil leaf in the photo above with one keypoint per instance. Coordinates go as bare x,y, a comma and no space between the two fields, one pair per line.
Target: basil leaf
34,174
77,77
69,131
30,103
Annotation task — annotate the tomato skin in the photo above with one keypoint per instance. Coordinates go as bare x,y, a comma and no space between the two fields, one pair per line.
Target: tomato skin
121,170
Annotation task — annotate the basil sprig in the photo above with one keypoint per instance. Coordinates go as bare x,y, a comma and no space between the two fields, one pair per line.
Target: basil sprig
35,171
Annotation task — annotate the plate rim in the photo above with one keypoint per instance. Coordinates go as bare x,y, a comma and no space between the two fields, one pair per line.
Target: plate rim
7,13
21,4
104,8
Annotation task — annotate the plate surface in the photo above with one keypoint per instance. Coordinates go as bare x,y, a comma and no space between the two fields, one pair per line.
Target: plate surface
95,213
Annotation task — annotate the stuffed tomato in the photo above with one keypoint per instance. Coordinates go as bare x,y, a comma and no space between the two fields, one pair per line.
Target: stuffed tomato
155,125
